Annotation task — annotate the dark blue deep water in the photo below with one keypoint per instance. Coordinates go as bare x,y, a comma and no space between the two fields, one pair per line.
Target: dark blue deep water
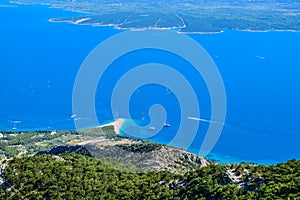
261,72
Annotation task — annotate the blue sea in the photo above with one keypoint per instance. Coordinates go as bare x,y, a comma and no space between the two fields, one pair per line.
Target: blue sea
39,61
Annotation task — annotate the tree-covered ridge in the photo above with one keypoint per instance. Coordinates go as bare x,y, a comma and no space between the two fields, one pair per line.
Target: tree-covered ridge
257,182
280,181
73,176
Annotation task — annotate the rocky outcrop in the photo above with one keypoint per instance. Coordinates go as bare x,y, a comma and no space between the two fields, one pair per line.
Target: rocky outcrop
144,156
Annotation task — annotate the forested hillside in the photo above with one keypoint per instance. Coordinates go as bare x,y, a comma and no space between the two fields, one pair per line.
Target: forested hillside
73,176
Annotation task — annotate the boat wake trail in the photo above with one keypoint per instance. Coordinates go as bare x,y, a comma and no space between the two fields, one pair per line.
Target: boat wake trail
206,120
235,128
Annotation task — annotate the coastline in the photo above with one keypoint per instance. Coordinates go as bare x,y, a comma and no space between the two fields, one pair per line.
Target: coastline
219,158
117,27
177,29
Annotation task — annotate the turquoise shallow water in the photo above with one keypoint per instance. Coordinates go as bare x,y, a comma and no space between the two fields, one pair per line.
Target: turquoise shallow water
39,61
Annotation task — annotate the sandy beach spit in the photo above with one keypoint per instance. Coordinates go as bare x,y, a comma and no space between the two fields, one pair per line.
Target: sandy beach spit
117,125
81,20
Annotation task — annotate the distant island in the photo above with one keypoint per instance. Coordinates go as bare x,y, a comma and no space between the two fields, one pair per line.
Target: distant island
186,17
97,163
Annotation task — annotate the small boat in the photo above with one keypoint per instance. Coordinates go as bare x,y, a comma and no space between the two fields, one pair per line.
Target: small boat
167,125
151,128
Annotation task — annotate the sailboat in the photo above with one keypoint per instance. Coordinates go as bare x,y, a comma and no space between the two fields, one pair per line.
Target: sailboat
151,128
167,125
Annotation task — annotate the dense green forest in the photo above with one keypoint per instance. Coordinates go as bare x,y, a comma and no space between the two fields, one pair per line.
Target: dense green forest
73,176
